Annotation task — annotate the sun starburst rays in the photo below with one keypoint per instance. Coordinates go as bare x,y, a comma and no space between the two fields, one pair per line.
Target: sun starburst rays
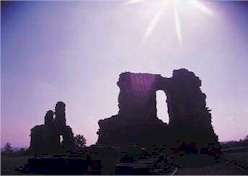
133,1
201,7
177,18
178,25
153,23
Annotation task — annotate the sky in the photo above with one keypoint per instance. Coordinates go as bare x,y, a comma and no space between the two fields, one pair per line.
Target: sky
75,51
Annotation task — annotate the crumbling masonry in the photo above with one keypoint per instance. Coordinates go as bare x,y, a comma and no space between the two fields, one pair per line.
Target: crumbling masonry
137,121
46,138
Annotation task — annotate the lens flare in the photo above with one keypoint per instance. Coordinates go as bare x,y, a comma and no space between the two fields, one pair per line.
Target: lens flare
177,5
178,26
153,23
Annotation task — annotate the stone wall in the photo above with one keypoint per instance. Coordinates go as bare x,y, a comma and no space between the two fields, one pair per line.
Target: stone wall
137,122
45,138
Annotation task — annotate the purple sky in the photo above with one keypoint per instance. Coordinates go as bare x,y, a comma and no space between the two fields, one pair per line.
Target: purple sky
74,52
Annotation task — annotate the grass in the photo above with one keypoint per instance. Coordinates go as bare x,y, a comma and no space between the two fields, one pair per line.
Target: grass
10,163
240,158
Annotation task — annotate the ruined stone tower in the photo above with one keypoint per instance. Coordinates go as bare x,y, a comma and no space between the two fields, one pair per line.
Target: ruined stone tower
46,138
137,121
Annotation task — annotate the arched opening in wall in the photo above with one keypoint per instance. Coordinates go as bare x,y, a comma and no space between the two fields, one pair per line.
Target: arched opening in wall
60,139
162,110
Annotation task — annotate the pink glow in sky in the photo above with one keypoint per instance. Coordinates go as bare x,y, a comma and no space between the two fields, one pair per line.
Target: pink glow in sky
75,51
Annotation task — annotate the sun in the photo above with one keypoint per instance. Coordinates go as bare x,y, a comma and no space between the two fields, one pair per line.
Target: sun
178,6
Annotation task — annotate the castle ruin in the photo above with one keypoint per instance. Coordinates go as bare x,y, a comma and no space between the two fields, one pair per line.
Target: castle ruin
54,135
137,122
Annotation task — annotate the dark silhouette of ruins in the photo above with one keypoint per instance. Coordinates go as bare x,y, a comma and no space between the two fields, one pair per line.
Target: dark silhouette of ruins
46,138
133,135
137,121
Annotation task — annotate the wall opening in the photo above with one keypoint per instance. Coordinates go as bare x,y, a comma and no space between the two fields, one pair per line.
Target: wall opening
60,139
162,110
